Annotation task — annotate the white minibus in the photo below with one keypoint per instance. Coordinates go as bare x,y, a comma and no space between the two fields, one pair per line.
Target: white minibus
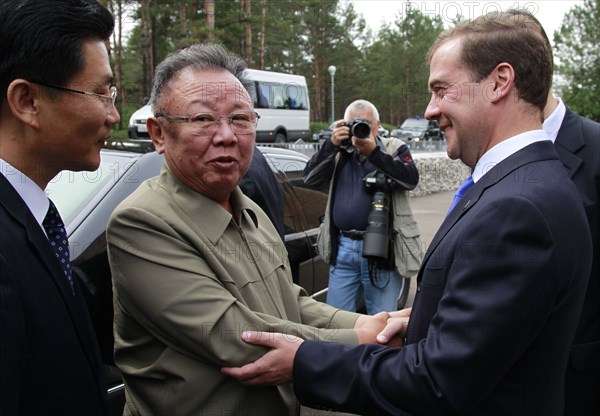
280,99
282,102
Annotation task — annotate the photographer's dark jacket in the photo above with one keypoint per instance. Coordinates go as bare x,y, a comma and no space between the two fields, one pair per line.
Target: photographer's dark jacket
392,156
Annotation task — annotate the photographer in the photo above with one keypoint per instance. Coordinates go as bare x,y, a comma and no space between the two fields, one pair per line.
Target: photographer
355,153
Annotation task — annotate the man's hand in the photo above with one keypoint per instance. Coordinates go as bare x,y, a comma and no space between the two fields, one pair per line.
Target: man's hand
394,332
367,327
340,133
275,367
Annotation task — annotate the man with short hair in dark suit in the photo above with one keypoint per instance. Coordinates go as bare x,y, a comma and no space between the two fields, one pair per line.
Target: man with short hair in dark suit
56,110
577,141
502,285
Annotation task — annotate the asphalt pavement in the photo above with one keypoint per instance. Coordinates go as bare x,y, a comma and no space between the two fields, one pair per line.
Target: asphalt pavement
429,211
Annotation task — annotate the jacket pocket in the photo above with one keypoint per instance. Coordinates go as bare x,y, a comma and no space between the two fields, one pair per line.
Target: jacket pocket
408,249
324,243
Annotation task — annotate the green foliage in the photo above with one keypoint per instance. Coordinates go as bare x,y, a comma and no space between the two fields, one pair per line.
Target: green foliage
317,126
307,36
577,58
396,70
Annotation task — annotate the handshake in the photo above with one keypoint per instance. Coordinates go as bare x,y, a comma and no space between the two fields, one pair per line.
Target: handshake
277,366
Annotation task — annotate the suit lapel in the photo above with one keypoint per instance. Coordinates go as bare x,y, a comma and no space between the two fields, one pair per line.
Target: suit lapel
534,152
570,141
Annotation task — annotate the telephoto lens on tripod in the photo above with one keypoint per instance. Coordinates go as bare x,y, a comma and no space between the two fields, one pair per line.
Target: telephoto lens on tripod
377,237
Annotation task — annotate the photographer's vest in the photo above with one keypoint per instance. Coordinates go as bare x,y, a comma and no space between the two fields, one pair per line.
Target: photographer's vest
408,247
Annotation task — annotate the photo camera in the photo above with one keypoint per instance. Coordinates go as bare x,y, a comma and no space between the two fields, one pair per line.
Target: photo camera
359,128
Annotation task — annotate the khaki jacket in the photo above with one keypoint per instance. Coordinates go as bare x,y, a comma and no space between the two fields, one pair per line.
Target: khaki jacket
187,282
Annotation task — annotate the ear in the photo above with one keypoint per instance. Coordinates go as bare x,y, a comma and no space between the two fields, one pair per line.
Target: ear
23,100
502,81
157,134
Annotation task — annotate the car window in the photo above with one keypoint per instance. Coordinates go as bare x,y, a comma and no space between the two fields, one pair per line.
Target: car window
291,166
413,123
71,191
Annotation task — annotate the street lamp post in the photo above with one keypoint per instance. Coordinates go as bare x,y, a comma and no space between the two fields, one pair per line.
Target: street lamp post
331,70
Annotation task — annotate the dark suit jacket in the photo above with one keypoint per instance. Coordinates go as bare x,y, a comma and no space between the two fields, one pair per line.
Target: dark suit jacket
260,185
499,294
49,360
578,147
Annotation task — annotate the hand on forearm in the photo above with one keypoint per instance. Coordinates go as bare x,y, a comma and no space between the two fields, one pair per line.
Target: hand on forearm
275,367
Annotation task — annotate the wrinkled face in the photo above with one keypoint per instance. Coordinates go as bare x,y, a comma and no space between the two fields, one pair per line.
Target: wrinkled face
458,103
211,164
73,127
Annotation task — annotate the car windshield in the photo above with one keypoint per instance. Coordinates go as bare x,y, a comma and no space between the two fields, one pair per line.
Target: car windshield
71,191
415,124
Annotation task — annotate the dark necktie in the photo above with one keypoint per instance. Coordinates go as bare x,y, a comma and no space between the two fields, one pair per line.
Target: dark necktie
460,192
57,236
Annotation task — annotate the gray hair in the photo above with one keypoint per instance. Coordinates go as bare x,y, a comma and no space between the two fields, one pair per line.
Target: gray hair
198,57
361,105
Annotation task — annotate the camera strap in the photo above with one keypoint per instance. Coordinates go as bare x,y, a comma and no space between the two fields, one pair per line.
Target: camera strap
374,275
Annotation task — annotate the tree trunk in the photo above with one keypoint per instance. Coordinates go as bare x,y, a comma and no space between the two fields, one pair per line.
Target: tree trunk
248,31
183,30
263,20
148,45
118,41
317,113
209,9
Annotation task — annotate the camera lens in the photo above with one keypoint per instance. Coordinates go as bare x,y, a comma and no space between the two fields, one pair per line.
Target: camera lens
376,239
361,130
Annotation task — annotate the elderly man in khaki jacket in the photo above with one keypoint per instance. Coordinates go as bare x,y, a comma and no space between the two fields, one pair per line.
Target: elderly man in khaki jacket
195,262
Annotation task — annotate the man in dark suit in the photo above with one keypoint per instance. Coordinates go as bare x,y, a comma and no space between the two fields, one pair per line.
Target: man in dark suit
502,284
56,110
260,185
577,141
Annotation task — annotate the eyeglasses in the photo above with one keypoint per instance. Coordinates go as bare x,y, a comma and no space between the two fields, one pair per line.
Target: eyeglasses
206,124
109,99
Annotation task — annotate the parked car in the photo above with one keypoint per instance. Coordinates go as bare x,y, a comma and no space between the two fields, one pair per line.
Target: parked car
383,132
416,132
87,199
324,134
137,123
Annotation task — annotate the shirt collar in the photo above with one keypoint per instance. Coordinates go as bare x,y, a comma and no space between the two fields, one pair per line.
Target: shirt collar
505,149
196,205
33,196
554,121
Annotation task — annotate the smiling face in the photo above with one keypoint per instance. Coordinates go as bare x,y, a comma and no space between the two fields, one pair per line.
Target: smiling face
213,165
459,104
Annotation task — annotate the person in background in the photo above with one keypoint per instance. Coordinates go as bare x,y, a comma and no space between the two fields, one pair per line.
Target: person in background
502,285
56,111
260,185
195,262
577,142
345,161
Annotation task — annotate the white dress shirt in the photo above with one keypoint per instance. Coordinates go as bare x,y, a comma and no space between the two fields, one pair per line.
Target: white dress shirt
504,149
35,198
554,121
